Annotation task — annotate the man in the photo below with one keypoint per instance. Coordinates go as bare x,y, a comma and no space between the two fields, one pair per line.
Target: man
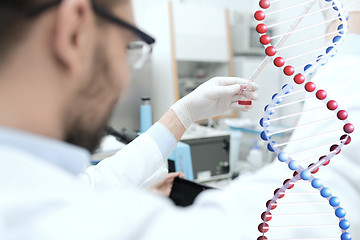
63,66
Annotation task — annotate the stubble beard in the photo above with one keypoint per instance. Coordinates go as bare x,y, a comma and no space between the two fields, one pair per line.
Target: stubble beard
85,126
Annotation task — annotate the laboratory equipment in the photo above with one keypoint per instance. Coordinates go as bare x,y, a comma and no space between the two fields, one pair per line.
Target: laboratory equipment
255,156
145,114
180,160
292,206
210,153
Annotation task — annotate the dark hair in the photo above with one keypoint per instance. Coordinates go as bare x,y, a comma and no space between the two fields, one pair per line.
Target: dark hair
15,21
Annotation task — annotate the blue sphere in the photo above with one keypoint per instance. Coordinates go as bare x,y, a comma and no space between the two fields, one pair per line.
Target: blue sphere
334,201
278,99
346,236
283,157
322,60
316,183
275,97
335,7
336,39
344,224
270,112
325,192
266,107
261,122
269,147
340,28
293,165
305,175
264,136
329,49
340,212
288,89
307,67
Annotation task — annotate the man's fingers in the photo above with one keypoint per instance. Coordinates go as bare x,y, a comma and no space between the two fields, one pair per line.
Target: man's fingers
249,87
245,96
227,90
250,95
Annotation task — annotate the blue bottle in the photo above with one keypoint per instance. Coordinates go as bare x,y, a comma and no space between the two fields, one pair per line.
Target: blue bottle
145,114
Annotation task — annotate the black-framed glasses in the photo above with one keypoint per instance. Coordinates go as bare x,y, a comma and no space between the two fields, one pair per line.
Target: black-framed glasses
138,51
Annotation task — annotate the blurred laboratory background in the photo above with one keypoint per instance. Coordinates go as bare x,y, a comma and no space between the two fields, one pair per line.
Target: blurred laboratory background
195,41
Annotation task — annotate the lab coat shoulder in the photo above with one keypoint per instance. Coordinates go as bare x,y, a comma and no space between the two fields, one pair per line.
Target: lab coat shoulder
139,164
18,165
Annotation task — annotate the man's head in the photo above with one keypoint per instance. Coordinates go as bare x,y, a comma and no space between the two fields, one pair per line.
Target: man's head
66,62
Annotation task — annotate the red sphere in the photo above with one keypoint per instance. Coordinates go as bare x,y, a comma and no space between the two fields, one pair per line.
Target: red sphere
295,174
349,128
281,195
262,238
299,79
332,105
326,162
261,28
315,170
279,62
259,15
348,140
268,216
263,227
270,51
333,148
264,4
321,94
290,186
265,39
289,70
342,115
310,87
273,206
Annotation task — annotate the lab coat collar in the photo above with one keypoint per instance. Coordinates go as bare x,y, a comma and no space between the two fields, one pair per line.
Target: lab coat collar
69,157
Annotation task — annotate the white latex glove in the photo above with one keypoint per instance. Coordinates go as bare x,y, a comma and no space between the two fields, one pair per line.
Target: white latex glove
213,98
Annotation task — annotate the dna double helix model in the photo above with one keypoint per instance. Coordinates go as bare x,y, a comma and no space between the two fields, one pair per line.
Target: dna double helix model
292,32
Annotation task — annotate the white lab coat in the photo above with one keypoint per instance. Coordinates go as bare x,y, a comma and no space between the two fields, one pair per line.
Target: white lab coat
41,201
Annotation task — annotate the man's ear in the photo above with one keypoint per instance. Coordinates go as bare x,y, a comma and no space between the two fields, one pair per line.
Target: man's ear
73,33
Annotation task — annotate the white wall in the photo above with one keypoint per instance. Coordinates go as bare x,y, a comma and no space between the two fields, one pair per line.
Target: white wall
154,19
239,5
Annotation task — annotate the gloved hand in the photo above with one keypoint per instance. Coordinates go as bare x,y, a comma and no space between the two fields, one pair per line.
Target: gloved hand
214,97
